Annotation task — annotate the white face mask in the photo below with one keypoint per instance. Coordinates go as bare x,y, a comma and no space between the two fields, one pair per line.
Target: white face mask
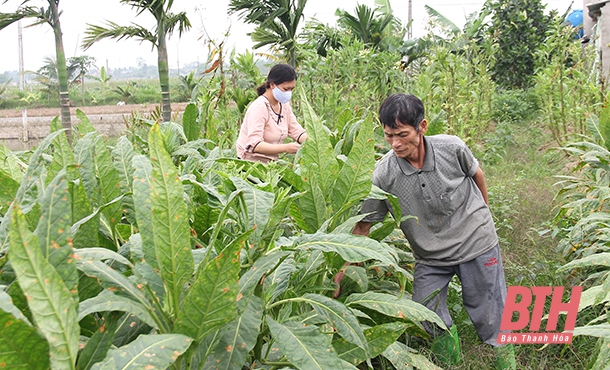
281,96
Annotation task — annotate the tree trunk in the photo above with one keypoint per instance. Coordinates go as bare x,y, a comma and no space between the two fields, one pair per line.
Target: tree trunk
166,108
82,88
62,73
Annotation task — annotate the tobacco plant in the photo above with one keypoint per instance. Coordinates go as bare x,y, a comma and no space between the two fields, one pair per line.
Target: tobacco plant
170,255
583,223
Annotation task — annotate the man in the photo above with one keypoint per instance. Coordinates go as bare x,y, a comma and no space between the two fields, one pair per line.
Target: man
438,180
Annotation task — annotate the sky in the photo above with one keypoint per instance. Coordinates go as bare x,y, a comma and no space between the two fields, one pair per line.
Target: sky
208,18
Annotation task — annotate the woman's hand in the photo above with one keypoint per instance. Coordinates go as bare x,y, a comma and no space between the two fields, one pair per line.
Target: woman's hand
292,148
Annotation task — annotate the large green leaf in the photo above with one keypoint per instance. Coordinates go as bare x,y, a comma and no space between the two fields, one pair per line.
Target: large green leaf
157,351
107,301
109,181
8,190
21,346
27,195
170,224
9,163
393,306
278,212
190,124
122,154
62,151
147,276
239,337
378,339
317,153
339,317
593,296
309,212
129,328
355,177
210,301
100,254
306,347
53,228
405,358
32,183
84,153
352,248
598,259
111,279
141,197
358,275
49,299
84,126
87,233
55,216
604,126
442,20
601,330
7,305
98,345
262,266
278,281
258,204
603,357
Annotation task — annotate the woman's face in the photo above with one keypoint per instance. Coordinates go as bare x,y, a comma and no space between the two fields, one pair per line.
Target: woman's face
284,86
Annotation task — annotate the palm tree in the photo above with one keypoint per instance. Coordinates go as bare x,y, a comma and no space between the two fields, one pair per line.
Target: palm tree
367,25
49,16
166,24
81,64
277,21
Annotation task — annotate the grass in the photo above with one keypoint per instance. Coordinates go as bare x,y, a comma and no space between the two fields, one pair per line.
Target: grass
521,187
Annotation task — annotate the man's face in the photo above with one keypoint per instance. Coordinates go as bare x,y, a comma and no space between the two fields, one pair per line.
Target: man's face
404,139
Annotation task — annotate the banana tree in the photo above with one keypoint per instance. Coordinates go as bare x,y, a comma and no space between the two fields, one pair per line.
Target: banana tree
50,16
166,23
277,22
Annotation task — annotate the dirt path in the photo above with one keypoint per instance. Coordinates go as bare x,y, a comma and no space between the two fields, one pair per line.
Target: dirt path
101,109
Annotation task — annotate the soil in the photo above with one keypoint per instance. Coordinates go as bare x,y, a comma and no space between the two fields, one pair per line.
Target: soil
90,110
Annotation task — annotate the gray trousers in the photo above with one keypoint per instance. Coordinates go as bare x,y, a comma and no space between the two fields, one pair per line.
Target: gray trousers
483,292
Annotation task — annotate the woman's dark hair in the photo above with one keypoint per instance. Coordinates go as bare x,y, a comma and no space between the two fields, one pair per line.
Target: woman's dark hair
280,73
406,109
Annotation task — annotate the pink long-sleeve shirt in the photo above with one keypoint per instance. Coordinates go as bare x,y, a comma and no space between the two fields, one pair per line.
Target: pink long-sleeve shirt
260,124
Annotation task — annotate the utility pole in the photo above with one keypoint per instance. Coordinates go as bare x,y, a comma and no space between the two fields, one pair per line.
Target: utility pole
410,20
24,112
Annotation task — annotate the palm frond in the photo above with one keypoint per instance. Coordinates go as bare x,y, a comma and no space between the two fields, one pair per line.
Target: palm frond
180,20
6,19
96,33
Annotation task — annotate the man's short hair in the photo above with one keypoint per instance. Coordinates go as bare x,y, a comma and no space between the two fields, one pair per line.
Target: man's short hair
406,109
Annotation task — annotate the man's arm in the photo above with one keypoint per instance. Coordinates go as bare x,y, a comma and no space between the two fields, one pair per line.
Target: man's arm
479,179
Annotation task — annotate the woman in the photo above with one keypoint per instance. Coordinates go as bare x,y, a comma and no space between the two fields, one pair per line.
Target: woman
269,119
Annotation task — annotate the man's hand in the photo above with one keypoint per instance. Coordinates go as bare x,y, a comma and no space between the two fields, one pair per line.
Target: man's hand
361,228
